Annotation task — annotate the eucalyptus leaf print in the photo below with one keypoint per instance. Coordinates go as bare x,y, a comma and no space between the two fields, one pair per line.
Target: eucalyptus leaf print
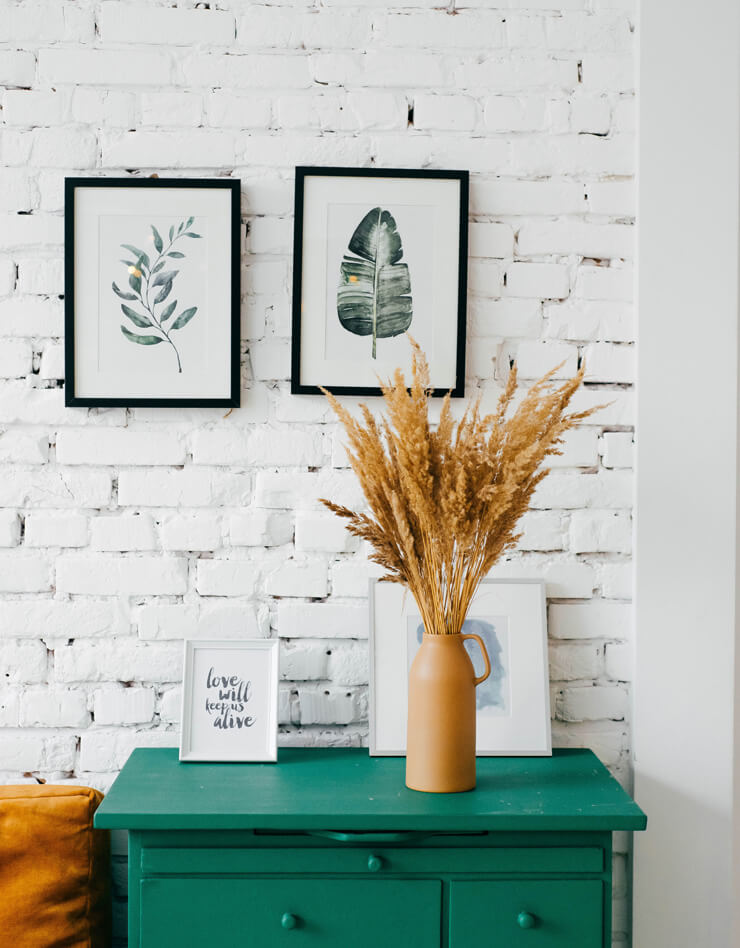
374,294
151,285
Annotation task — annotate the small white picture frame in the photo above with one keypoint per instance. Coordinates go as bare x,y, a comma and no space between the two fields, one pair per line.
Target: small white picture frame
229,700
513,705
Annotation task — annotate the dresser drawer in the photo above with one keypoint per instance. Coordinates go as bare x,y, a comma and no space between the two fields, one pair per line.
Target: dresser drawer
527,914
374,859
289,913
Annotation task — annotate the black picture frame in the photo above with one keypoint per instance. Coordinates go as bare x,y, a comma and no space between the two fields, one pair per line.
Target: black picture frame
297,387
71,186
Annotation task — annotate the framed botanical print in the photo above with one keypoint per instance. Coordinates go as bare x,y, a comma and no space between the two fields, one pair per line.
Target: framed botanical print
152,292
378,254
229,700
512,704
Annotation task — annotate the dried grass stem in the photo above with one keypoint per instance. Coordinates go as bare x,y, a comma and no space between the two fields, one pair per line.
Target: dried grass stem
444,501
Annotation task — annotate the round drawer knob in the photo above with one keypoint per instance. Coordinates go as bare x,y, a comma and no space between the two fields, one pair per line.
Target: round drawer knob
526,920
288,920
374,863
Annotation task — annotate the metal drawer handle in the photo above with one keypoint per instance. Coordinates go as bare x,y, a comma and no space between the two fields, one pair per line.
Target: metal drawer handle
526,920
367,837
288,920
374,863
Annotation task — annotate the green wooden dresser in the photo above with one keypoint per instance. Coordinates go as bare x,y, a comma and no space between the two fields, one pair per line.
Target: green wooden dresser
328,849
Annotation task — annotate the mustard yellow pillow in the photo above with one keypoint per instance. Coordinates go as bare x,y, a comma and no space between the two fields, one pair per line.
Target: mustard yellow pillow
54,868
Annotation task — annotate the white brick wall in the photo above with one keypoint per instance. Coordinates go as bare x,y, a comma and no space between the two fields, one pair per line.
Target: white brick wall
121,531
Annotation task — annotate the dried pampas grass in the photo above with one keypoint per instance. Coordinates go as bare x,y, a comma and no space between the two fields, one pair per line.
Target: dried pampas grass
444,501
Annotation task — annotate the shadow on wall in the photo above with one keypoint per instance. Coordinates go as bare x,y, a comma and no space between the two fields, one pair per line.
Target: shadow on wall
690,858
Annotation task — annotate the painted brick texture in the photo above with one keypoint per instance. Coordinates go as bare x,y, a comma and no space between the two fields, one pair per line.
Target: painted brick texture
122,531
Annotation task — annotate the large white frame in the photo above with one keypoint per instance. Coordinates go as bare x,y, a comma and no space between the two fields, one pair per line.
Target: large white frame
190,749
526,731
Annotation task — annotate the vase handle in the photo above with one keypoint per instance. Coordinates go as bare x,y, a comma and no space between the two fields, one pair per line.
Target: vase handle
479,640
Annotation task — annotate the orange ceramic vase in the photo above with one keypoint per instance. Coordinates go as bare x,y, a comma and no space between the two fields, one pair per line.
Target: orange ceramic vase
440,746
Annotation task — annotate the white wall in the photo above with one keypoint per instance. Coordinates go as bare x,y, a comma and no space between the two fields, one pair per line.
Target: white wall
687,472
125,530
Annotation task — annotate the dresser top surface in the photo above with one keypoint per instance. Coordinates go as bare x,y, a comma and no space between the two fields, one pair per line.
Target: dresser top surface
346,789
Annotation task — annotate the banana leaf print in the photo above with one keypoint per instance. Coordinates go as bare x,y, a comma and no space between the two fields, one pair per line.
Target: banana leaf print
150,285
374,295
